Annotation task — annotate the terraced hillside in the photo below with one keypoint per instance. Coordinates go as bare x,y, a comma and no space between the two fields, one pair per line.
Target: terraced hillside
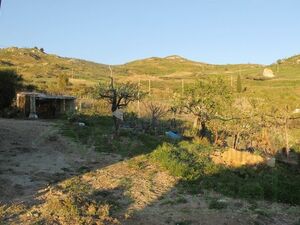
169,74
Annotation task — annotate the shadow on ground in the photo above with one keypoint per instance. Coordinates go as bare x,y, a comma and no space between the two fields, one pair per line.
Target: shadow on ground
48,179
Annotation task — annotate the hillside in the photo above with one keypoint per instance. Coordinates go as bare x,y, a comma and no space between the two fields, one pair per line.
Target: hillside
37,65
177,65
42,69
34,63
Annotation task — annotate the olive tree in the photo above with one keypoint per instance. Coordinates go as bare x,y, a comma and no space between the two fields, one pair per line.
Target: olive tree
118,96
207,101
281,118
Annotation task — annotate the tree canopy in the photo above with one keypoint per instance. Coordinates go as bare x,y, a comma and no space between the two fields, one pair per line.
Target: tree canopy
10,82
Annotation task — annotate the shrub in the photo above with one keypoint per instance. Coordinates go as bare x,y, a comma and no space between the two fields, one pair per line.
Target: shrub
178,161
9,84
191,162
217,204
251,191
185,160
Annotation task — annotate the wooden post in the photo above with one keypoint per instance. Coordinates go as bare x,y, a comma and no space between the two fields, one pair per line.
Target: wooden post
64,105
286,136
182,87
149,87
139,112
80,103
32,114
111,77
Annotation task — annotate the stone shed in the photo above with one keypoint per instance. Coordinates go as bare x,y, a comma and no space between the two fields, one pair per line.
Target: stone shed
39,105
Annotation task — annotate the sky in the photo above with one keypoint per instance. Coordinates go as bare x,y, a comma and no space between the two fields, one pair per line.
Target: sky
119,31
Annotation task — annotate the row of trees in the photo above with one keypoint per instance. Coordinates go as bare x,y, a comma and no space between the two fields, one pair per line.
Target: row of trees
220,114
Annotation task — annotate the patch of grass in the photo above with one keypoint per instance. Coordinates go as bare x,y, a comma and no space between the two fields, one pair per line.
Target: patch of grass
185,222
217,204
181,200
297,223
178,200
192,164
75,202
99,133
182,160
10,211
126,183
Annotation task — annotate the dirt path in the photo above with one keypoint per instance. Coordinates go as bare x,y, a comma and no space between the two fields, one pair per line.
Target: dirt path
34,155
46,178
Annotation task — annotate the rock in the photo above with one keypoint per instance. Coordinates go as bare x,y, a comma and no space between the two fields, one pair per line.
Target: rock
271,162
268,73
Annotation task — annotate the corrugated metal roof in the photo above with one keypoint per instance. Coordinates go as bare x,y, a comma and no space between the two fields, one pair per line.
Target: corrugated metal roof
45,96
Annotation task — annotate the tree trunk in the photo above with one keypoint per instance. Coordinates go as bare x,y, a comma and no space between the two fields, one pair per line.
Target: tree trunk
203,131
196,122
268,141
287,147
117,125
216,137
236,140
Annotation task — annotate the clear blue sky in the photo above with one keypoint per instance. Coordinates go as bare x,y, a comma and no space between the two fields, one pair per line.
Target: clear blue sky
118,31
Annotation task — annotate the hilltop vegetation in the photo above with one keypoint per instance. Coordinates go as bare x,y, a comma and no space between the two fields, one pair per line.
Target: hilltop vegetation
42,70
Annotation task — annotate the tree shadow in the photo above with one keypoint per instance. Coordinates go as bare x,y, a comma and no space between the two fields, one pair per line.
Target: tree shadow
83,191
23,182
242,195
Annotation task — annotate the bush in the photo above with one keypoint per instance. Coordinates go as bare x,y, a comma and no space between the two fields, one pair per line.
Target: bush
191,162
217,204
182,160
10,82
251,191
10,112
178,161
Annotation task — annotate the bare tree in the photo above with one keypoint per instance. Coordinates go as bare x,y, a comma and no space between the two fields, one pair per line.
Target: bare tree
156,111
118,96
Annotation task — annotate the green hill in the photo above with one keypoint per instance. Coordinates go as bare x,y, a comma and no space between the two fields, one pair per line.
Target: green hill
166,74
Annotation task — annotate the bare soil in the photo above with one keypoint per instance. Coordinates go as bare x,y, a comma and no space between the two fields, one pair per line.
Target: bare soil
34,155
39,166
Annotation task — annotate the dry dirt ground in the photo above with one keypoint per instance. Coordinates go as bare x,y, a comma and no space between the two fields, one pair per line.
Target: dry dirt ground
46,178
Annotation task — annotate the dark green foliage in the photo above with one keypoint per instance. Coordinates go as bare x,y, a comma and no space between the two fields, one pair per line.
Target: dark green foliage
10,82
191,162
99,133
280,184
183,160
217,204
239,84
251,191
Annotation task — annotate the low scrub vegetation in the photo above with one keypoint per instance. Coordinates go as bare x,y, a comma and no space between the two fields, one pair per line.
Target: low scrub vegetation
192,163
